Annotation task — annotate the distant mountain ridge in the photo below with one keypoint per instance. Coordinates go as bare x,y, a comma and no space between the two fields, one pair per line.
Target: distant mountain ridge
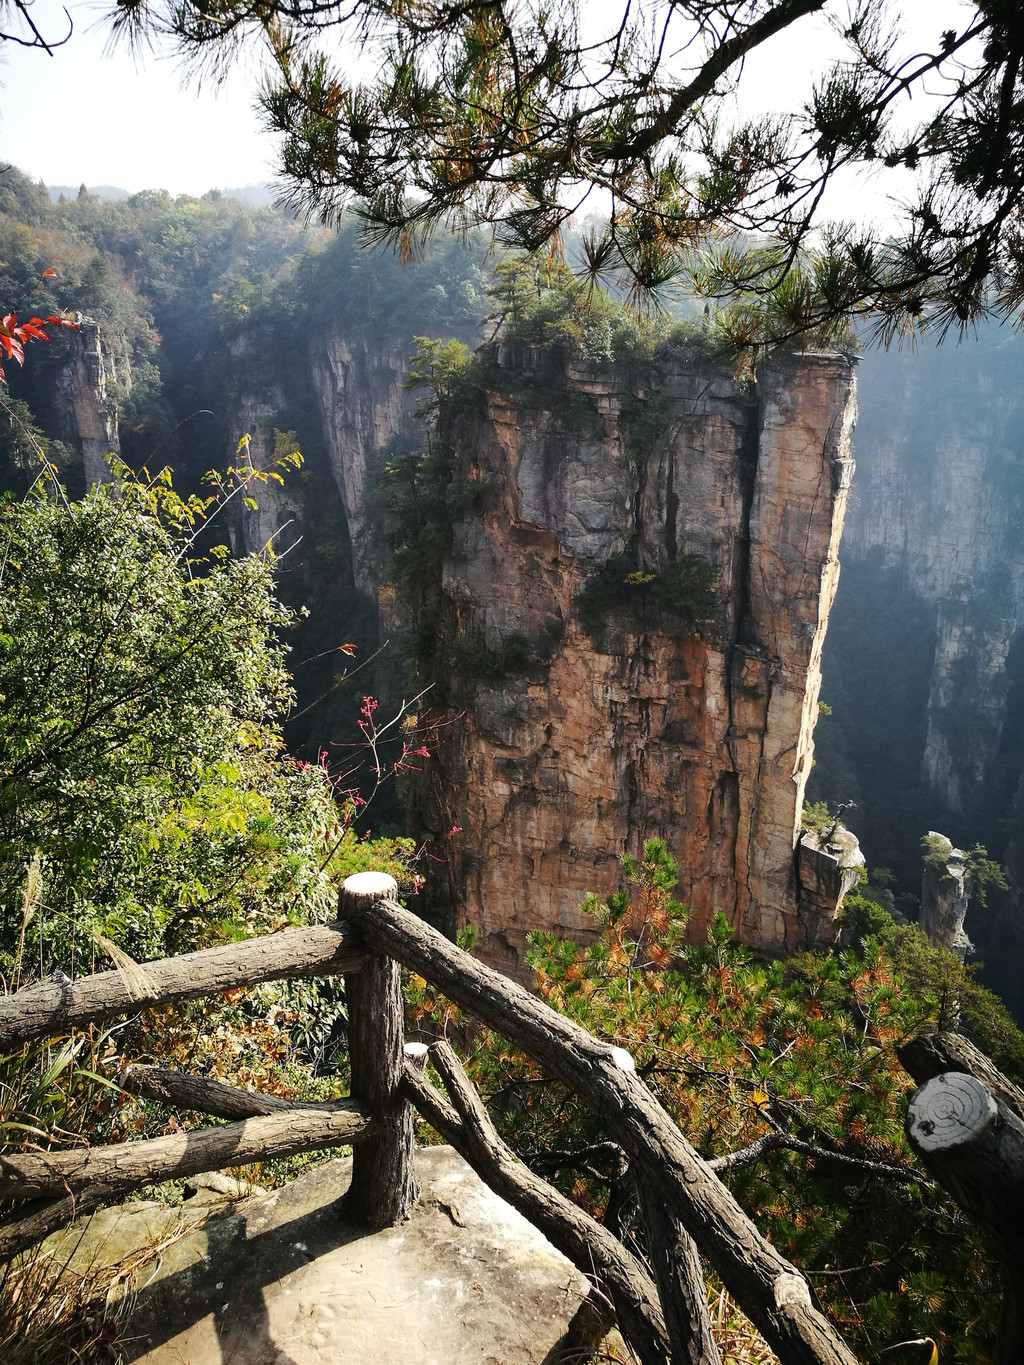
256,196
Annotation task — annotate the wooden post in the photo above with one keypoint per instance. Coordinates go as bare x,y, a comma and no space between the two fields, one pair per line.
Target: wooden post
973,1143
383,1188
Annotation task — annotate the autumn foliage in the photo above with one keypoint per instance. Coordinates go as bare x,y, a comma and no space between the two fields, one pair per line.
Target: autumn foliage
784,1075
14,334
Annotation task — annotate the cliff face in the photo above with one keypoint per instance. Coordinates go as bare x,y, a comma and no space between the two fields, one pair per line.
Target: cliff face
563,748
87,419
362,407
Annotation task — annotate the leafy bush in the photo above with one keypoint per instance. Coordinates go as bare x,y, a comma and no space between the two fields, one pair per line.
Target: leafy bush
544,304
678,595
139,758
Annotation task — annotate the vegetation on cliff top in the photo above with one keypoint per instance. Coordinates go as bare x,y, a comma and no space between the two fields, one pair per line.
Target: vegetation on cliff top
544,304
514,114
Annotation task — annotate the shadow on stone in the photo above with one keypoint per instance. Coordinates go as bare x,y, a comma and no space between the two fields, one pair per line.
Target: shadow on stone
283,1279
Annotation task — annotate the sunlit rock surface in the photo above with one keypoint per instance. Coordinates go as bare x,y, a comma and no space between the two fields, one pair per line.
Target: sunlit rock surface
282,1278
561,751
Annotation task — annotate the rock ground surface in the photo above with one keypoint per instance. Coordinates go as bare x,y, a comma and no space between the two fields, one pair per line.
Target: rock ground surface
280,1278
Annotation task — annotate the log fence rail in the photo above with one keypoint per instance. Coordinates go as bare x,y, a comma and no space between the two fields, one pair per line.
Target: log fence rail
686,1211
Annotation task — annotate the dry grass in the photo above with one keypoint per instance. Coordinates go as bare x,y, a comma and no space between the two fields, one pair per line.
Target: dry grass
52,1313
738,1339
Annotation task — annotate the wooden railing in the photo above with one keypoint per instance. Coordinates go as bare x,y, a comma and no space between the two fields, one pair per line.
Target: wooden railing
686,1210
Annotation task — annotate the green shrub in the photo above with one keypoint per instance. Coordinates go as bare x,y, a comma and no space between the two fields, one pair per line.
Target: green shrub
677,597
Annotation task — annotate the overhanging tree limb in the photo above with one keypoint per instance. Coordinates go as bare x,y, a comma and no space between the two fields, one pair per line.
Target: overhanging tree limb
509,114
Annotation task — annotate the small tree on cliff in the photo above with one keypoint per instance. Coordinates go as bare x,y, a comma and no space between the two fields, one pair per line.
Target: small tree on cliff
512,114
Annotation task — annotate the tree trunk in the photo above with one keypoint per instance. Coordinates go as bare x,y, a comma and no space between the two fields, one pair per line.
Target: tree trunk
56,1003
680,1279
773,1294
383,1188
973,1144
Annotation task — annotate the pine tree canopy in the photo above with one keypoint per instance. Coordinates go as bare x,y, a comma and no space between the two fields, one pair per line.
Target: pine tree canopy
521,113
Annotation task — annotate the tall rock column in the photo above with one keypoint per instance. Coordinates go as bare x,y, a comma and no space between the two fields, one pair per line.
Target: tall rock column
804,468
569,737
88,417
944,895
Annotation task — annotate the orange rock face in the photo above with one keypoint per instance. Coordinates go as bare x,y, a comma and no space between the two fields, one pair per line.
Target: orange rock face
563,749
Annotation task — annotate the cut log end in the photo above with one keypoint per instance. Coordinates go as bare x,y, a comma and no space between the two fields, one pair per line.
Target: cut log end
416,1056
950,1110
369,886
791,1291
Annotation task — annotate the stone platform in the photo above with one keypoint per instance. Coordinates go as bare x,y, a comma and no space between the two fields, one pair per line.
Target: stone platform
279,1278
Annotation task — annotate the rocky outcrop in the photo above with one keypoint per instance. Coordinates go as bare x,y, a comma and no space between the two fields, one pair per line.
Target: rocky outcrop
564,748
827,868
87,411
944,895
284,1277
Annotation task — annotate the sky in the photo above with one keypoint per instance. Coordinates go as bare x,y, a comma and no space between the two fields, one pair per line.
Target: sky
86,115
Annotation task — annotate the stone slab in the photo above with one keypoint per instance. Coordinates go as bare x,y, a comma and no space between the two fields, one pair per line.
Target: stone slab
283,1279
